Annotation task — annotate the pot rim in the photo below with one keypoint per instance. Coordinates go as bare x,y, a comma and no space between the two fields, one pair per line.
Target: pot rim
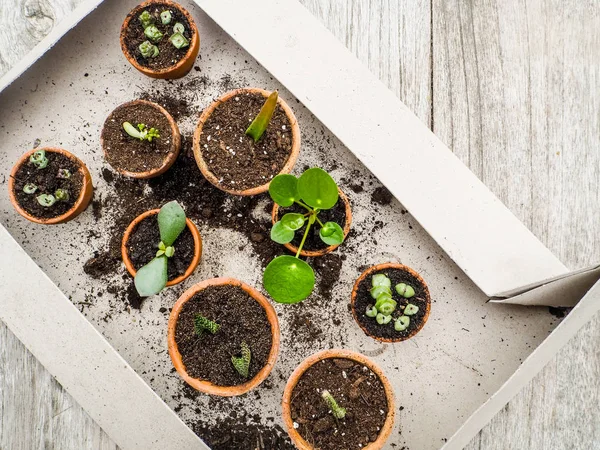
298,440
287,168
208,387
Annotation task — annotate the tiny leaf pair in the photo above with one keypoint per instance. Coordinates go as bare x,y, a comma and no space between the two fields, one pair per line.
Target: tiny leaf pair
142,132
153,277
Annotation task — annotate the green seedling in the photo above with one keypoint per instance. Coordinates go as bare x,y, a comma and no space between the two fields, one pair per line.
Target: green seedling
152,278
337,411
141,132
179,41
242,363
146,19
61,195
202,325
261,121
153,33
411,310
46,200
401,323
30,188
165,17
39,159
64,174
148,50
405,290
288,279
178,28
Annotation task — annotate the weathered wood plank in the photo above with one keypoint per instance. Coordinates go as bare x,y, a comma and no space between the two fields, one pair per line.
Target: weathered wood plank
516,90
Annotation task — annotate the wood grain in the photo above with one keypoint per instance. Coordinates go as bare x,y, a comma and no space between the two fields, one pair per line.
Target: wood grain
513,87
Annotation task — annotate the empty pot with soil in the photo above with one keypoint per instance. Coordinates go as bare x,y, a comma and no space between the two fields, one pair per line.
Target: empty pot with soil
390,302
50,185
161,247
160,39
244,139
140,139
338,399
223,337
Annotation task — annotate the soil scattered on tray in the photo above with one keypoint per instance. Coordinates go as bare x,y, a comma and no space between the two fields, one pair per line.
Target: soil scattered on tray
356,388
124,152
48,182
314,242
233,157
364,299
169,55
241,319
143,245
382,196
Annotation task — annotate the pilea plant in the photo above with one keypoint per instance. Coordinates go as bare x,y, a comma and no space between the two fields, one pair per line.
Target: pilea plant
288,279
337,411
142,132
385,305
261,121
39,160
148,49
153,277
242,363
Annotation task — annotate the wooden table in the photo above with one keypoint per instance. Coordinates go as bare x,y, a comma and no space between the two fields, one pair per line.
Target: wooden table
513,88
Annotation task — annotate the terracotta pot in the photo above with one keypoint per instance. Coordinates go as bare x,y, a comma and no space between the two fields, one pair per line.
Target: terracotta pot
292,248
206,386
298,440
85,196
379,268
287,168
169,159
197,247
184,65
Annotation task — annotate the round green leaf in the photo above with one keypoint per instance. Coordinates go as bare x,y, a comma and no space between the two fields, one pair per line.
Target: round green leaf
281,234
293,221
283,189
288,279
318,189
171,222
152,278
332,234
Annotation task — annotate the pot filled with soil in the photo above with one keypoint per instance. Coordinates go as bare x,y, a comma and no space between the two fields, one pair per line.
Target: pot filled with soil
223,337
390,302
244,139
140,139
160,39
161,247
50,185
338,399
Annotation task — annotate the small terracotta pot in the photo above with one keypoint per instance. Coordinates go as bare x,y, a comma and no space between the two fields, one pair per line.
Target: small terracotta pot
85,195
379,268
169,159
206,386
298,440
197,247
287,168
292,248
184,65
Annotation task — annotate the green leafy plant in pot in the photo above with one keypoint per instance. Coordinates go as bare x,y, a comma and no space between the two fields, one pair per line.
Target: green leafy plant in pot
288,279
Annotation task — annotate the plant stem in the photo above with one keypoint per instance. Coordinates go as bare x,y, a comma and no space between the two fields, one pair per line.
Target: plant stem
318,220
311,220
304,205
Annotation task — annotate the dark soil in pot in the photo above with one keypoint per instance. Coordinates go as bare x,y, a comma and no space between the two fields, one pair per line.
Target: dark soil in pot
313,241
143,245
234,158
241,319
364,299
130,154
168,55
47,181
356,388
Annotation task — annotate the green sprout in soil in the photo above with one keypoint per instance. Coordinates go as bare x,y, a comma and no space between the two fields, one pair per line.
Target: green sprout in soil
153,33
288,279
64,174
38,159
165,17
178,28
202,325
401,323
62,195
242,363
46,200
30,188
146,19
385,305
179,40
261,121
141,132
405,290
153,277
148,49
337,411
